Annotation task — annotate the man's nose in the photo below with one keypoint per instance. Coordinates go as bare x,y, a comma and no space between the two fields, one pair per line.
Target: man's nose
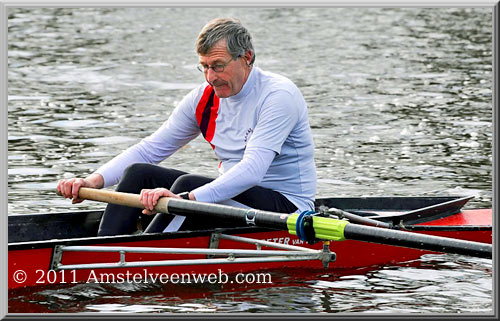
211,75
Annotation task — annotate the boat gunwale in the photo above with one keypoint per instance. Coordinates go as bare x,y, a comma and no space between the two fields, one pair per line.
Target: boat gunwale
126,238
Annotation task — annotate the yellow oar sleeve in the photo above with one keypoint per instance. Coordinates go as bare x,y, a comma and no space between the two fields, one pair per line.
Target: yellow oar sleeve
324,228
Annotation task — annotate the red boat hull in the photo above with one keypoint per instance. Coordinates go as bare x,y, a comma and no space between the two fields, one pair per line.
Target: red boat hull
31,267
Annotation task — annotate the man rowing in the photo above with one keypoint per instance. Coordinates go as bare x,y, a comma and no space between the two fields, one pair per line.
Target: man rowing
255,121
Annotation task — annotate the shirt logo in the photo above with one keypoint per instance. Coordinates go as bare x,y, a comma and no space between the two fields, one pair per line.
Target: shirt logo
248,134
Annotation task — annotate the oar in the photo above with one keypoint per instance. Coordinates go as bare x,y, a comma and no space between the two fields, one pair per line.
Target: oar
323,228
356,218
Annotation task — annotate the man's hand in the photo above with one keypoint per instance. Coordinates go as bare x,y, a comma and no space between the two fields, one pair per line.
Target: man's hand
69,187
149,198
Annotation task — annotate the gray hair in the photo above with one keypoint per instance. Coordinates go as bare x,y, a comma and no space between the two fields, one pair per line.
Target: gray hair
238,39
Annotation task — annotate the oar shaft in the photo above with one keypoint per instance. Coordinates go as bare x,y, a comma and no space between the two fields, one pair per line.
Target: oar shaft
248,216
417,241
358,219
189,208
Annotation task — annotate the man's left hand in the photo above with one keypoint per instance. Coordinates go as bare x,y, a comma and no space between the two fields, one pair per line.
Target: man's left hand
150,197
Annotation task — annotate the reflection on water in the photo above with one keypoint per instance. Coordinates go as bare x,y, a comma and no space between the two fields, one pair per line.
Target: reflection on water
400,103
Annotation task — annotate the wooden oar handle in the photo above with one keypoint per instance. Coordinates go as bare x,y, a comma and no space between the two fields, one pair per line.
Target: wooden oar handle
119,198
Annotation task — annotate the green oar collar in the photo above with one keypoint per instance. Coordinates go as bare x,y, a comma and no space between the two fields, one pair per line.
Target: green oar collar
323,228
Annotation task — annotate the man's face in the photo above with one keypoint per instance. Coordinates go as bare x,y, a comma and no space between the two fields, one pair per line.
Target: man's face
230,81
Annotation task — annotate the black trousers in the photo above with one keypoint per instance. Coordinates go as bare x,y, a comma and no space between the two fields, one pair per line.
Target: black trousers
118,219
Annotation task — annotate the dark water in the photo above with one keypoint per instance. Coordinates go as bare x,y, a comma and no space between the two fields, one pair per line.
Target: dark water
400,103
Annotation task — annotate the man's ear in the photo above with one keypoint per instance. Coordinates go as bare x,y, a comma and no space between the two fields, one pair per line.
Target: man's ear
248,57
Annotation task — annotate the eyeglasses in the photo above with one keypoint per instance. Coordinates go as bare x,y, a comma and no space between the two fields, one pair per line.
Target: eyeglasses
217,67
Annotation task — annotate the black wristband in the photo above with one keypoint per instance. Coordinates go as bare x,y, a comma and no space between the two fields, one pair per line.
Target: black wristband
184,195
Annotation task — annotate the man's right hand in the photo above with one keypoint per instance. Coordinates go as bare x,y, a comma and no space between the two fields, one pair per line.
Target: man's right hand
69,187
